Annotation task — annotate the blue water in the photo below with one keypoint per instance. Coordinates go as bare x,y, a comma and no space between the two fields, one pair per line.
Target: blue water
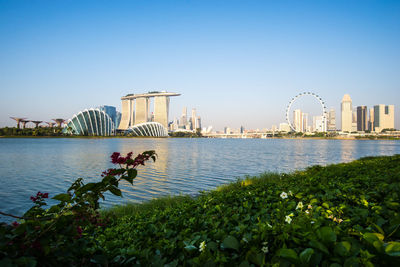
184,166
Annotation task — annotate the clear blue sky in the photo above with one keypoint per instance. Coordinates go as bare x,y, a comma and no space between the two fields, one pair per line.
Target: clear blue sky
237,62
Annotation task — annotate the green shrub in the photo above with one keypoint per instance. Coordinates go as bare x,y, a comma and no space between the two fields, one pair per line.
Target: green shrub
345,214
66,232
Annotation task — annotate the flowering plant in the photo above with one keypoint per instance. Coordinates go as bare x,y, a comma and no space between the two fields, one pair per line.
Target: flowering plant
56,234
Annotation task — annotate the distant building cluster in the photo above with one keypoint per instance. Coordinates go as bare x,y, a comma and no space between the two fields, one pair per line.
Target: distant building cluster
186,123
302,123
136,119
361,119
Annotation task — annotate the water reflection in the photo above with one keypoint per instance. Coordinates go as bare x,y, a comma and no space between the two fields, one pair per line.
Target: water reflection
184,166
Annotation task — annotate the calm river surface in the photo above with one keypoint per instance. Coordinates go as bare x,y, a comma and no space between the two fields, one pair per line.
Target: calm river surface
184,166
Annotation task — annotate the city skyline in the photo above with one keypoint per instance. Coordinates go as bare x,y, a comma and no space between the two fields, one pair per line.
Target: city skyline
239,63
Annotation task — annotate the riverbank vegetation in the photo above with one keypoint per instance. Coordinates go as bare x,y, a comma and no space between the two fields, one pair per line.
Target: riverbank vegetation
338,215
29,132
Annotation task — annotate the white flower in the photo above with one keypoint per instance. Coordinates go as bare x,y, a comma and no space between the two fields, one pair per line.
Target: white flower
312,222
270,226
309,207
299,205
290,193
202,246
265,243
288,219
245,240
307,212
283,195
265,249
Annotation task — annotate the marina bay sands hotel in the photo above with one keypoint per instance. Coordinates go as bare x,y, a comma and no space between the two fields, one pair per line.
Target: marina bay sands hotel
135,109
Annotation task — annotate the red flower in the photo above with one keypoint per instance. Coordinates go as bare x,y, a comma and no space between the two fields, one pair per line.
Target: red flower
45,195
114,157
15,224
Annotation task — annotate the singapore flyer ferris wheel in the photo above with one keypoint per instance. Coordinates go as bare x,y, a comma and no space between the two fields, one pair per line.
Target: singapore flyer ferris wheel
322,103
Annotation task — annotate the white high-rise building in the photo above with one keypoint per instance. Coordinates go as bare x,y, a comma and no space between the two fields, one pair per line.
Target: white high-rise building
319,124
347,114
331,120
183,120
193,119
383,117
297,120
305,122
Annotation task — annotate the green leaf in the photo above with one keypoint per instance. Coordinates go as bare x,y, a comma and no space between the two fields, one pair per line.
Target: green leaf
86,188
393,249
342,248
132,173
372,237
288,254
306,254
99,259
190,248
231,242
114,190
62,197
327,235
319,246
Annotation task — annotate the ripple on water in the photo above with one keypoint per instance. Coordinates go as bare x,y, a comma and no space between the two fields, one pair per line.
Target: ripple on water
184,166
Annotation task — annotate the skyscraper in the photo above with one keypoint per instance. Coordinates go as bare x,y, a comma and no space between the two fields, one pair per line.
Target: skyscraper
193,119
297,120
331,120
305,122
362,124
183,120
371,120
347,113
319,124
383,117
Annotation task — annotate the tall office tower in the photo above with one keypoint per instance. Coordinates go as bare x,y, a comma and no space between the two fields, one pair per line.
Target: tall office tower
371,120
297,120
362,121
354,121
304,117
113,113
331,120
319,124
347,113
183,120
193,119
198,123
383,117
241,129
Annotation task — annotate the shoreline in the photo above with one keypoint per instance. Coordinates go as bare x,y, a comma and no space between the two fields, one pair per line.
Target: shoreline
143,137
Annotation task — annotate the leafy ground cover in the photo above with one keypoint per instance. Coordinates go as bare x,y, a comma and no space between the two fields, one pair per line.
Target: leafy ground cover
338,215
